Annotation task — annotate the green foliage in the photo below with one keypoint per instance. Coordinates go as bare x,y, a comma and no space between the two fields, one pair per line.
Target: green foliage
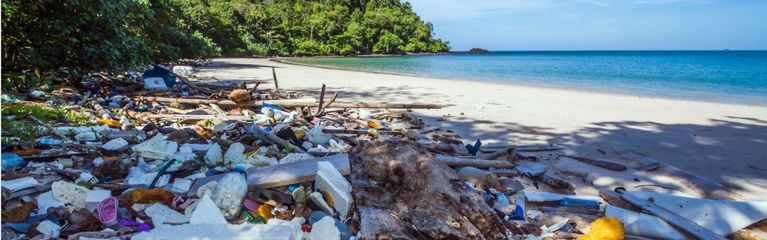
42,36
23,130
44,113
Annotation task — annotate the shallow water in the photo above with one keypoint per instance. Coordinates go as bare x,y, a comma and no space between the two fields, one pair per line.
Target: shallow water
719,76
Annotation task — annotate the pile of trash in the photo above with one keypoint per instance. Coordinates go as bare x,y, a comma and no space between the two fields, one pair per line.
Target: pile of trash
163,157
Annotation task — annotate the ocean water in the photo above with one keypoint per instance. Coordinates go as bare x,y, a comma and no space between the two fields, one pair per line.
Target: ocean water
718,76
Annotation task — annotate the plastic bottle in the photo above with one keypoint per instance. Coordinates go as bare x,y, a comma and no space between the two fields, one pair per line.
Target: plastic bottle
574,202
47,141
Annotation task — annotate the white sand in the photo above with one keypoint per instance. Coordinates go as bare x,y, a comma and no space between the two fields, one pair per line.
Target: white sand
723,142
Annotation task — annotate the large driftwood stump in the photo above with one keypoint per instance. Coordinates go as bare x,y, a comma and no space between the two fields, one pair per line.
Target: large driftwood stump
402,192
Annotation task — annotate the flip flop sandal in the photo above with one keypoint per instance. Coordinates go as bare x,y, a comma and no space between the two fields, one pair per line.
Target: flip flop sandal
108,211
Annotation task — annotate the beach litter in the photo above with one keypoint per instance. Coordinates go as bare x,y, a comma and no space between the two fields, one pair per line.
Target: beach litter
193,159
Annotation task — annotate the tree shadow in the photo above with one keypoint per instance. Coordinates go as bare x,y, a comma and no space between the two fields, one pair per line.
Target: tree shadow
731,151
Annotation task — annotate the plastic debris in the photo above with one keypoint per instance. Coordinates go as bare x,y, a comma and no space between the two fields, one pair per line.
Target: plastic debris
206,212
331,183
235,154
605,228
229,193
70,193
156,148
20,183
12,161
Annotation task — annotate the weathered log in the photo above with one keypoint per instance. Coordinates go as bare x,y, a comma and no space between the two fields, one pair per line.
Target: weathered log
701,185
454,161
147,116
554,181
670,217
291,103
387,175
598,163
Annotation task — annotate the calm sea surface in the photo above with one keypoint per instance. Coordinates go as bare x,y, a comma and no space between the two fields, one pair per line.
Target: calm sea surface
719,76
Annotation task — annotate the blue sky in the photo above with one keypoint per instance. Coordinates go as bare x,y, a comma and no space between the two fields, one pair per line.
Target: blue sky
598,24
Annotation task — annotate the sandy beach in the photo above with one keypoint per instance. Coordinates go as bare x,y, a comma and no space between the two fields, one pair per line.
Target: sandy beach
725,143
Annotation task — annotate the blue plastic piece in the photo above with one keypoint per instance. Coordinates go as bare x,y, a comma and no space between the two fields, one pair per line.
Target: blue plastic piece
12,161
161,72
267,105
268,129
474,149
293,187
346,232
519,213
575,202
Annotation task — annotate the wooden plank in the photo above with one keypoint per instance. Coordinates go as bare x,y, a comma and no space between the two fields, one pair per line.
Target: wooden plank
282,174
671,218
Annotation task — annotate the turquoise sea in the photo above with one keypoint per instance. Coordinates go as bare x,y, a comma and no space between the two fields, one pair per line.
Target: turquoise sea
719,76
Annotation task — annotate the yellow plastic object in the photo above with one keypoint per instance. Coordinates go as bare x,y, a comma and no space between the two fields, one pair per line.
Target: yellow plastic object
374,124
605,228
108,122
265,212
299,133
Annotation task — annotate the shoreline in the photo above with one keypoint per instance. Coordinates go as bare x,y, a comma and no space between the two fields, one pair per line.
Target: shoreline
749,101
719,141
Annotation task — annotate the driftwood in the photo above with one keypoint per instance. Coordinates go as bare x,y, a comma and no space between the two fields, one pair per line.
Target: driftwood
322,100
274,76
143,116
387,175
455,161
554,181
670,217
510,154
291,103
701,185
103,112
598,163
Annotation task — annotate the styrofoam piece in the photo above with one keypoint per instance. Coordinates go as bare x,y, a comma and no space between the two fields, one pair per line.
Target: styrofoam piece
20,183
197,147
207,212
185,71
115,144
86,136
181,185
295,226
229,192
155,83
720,216
49,229
235,154
94,198
214,155
218,231
45,201
162,214
69,193
330,180
316,198
156,148
325,229
644,225
316,136
260,160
